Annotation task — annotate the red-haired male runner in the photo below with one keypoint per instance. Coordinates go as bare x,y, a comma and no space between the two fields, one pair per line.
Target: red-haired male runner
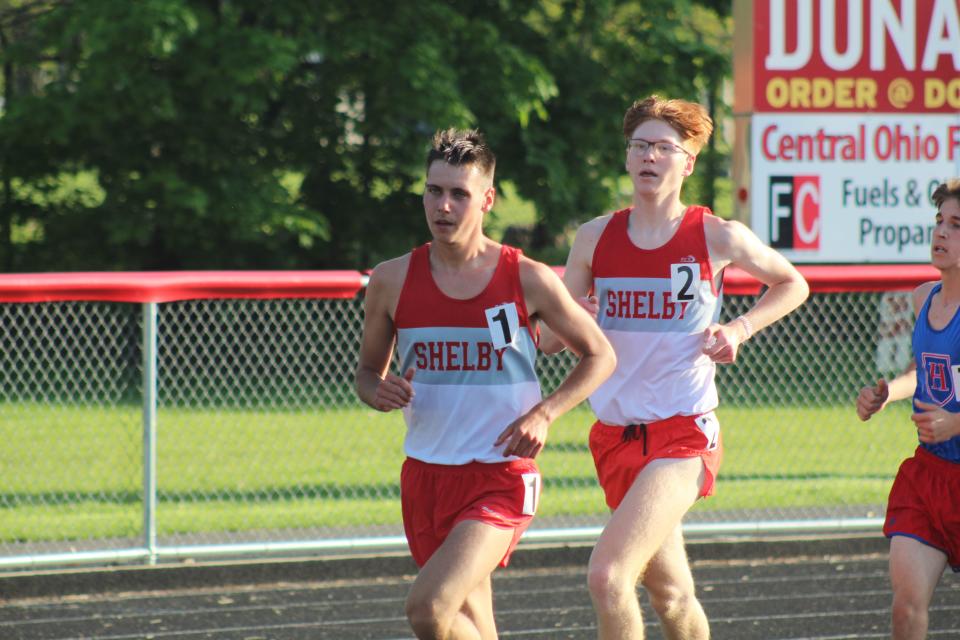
653,273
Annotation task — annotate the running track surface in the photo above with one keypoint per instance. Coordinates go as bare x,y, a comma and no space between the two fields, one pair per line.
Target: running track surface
768,589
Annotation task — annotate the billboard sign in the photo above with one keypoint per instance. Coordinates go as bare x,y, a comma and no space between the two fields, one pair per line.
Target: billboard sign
850,188
854,118
857,55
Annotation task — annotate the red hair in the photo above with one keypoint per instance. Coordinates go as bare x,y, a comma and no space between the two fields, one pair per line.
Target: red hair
690,119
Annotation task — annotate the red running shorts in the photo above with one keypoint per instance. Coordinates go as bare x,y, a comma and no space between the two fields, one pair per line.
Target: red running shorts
924,504
436,497
621,453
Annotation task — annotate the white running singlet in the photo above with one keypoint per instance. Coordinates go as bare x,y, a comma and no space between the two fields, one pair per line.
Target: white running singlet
474,361
654,307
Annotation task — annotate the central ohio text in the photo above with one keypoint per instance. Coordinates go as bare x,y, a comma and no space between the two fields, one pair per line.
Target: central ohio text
895,143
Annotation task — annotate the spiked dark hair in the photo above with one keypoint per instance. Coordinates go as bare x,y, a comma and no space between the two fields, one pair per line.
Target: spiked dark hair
460,147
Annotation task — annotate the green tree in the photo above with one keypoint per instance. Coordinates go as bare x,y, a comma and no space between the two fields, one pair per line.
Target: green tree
164,106
247,134
378,92
604,55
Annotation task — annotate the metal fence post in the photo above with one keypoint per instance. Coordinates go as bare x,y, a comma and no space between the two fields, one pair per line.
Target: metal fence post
150,430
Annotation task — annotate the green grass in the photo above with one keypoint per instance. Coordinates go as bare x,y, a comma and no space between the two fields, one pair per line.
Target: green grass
72,472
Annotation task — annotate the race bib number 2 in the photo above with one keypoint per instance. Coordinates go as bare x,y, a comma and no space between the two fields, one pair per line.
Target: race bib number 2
504,324
684,281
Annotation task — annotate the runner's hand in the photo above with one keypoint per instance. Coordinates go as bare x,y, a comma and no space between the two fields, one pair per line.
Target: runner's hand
591,304
721,343
872,399
934,424
525,436
394,392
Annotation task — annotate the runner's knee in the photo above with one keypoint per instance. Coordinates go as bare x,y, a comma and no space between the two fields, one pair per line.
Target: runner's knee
427,618
669,600
908,612
608,583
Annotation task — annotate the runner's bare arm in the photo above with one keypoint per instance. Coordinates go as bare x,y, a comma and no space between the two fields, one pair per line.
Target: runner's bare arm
548,299
578,277
382,390
873,399
732,243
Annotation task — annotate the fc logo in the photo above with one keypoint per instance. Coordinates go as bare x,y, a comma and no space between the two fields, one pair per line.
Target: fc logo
795,212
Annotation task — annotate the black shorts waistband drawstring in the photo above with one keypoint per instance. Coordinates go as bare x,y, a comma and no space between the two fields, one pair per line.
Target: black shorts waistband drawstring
630,432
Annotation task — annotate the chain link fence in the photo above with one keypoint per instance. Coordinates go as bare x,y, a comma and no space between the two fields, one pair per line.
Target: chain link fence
261,446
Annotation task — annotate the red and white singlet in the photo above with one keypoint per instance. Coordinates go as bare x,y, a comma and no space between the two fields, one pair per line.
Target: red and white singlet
654,307
474,361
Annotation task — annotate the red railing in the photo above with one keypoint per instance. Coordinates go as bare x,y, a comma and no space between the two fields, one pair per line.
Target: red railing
842,278
167,286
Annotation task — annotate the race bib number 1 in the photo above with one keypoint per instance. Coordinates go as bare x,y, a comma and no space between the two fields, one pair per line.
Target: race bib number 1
504,324
531,493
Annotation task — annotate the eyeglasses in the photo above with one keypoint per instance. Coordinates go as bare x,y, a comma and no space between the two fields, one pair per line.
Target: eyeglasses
660,147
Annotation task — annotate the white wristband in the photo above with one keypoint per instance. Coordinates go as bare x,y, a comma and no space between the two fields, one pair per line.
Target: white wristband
747,327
